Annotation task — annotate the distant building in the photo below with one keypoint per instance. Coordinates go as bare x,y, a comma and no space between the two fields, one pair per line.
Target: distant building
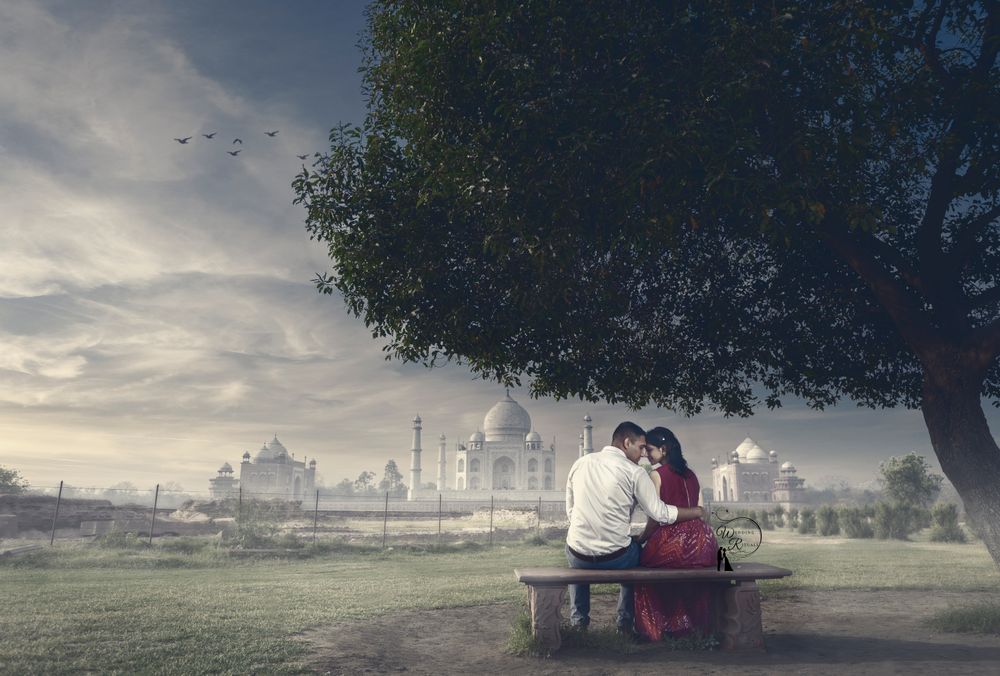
272,474
752,476
507,457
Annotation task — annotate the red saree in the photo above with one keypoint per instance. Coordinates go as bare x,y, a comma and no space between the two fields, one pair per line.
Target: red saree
676,610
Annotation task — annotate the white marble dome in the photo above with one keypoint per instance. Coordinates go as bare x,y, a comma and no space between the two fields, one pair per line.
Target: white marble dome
477,436
533,436
787,467
757,454
506,421
744,448
276,447
264,454
226,467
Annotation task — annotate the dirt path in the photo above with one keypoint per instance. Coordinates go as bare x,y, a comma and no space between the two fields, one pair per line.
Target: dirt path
820,632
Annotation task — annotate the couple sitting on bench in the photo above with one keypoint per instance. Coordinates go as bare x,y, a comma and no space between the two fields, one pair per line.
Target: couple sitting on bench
602,490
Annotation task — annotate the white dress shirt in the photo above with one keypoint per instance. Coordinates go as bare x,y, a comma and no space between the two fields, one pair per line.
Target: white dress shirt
601,491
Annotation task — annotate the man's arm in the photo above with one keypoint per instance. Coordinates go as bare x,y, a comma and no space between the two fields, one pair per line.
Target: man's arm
649,501
569,494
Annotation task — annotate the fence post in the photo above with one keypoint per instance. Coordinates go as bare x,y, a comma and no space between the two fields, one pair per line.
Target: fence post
239,509
385,520
491,520
439,516
316,515
152,522
52,539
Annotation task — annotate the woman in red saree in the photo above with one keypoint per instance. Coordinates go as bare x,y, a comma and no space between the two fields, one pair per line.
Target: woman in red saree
677,610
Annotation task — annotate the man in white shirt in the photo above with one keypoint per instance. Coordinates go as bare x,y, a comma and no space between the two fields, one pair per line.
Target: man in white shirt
601,491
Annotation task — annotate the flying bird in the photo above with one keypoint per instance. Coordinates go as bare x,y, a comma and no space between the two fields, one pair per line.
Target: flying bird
184,140
234,153
238,140
212,135
302,157
272,134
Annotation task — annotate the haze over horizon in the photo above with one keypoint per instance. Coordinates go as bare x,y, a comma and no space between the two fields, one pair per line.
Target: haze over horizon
157,314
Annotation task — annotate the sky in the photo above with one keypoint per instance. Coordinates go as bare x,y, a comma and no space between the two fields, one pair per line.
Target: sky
157,314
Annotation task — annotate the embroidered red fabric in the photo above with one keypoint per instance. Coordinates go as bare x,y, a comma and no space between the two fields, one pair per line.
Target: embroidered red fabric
677,610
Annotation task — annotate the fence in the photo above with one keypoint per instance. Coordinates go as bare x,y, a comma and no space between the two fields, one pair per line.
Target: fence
66,512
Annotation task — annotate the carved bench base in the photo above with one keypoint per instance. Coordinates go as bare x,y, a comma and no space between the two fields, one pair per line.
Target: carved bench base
738,617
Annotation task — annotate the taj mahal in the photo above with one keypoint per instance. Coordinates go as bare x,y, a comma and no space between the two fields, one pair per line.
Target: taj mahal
750,477
507,455
273,473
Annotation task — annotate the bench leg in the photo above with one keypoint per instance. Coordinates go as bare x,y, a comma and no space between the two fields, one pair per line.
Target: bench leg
741,626
546,604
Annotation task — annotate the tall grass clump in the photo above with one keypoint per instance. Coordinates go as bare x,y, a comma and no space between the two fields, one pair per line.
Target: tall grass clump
854,523
827,522
807,522
946,528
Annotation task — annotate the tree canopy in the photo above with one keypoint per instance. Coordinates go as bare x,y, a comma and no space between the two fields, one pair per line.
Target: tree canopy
688,204
908,480
11,481
532,176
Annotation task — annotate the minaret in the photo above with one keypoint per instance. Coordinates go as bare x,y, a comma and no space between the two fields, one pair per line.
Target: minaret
581,444
415,456
441,463
588,435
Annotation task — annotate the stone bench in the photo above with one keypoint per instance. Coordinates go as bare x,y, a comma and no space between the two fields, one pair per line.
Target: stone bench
736,603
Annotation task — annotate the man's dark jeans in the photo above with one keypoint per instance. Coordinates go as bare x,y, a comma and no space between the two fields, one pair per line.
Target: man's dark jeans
579,594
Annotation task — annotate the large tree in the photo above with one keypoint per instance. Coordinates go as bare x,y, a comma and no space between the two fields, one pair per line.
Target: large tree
710,203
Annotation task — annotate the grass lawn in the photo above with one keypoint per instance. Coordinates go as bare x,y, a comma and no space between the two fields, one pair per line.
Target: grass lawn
76,608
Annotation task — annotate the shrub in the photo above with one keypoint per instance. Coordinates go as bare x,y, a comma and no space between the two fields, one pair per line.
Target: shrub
765,521
826,521
793,518
254,528
895,521
807,522
119,539
946,528
779,518
854,523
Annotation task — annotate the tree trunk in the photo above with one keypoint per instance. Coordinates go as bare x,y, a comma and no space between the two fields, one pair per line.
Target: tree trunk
968,453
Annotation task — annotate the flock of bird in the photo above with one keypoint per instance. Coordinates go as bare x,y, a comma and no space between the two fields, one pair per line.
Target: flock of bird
234,153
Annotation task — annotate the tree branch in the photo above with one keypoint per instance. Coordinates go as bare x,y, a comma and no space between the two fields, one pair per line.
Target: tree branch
909,318
966,239
892,257
987,297
986,341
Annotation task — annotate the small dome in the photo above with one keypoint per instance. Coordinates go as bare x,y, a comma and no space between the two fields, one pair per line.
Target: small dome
772,454
264,453
586,418
226,467
533,436
787,467
477,436
416,419
312,463
246,455
276,447
745,447
441,438
506,421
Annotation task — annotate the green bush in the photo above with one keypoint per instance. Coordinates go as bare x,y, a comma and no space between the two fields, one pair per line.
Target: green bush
119,539
895,521
807,522
946,528
826,521
854,523
765,521
793,518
